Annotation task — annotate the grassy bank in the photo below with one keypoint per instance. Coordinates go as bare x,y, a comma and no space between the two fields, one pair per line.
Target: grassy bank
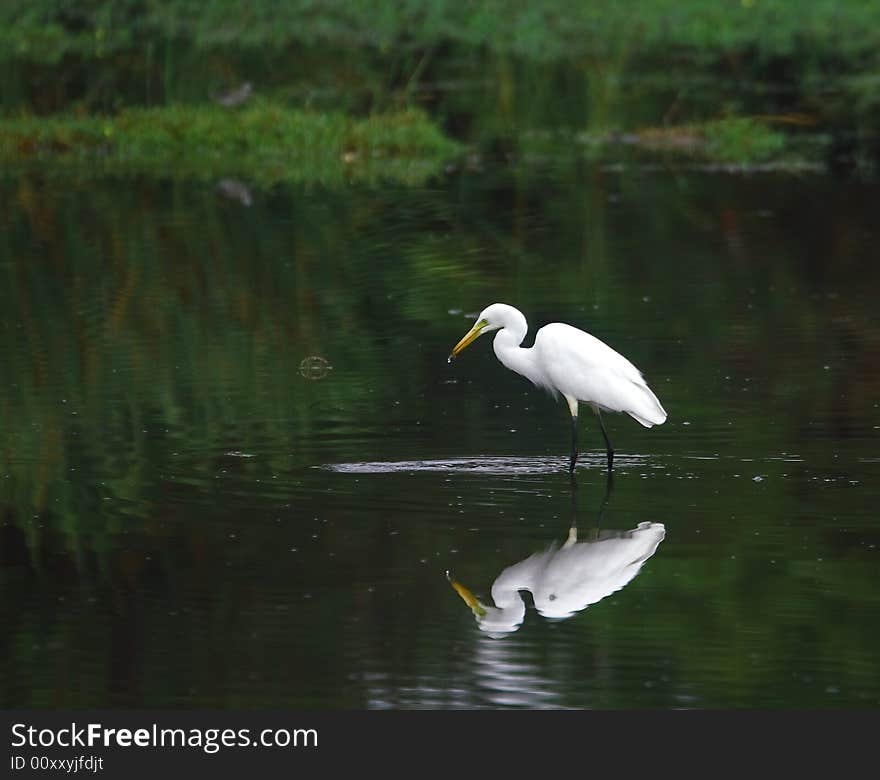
735,142
491,73
264,142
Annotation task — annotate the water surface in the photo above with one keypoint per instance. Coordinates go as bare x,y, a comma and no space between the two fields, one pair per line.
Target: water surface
235,467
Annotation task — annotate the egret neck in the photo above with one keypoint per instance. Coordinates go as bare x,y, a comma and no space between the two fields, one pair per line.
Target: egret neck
508,350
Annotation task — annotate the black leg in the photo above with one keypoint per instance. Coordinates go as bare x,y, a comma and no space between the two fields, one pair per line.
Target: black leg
609,489
572,526
574,444
609,450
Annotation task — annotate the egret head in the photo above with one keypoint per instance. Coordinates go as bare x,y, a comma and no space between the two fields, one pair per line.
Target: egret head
494,621
493,317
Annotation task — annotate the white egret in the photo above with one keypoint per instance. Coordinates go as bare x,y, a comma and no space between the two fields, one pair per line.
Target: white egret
569,362
564,580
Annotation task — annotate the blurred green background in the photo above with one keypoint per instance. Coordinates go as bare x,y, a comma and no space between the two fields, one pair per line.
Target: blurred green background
694,184
754,81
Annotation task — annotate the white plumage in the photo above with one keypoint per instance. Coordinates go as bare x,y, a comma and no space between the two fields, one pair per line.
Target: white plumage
572,363
580,366
565,579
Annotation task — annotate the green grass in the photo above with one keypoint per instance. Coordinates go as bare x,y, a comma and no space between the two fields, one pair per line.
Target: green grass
50,29
264,142
740,142
494,71
735,140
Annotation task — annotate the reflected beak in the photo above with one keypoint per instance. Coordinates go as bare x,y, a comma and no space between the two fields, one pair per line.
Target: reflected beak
468,338
467,597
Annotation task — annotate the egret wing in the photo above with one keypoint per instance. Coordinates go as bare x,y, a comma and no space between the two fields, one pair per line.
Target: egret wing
579,365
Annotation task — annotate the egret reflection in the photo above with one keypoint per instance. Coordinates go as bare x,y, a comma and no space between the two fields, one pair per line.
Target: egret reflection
565,578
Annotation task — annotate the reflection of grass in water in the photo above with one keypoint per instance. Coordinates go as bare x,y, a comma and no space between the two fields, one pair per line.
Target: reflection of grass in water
141,336
163,339
170,319
264,142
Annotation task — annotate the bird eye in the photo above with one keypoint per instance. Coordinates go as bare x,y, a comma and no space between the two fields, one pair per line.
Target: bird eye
552,597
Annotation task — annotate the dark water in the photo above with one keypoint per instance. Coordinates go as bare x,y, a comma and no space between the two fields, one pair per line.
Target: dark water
235,466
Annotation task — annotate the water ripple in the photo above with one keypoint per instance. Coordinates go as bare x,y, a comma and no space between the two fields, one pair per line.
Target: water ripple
484,465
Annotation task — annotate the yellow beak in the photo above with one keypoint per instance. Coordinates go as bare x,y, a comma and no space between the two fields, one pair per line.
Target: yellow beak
470,336
467,597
